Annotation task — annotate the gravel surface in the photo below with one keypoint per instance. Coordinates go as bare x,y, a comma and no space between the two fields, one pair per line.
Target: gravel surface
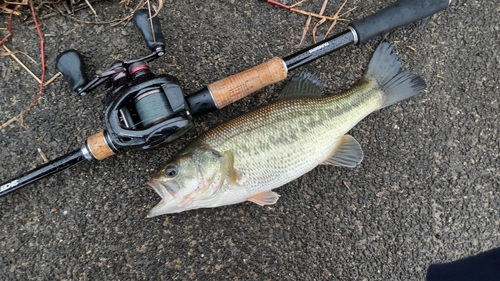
426,192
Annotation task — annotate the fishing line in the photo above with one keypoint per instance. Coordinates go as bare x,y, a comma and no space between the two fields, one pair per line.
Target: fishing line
152,107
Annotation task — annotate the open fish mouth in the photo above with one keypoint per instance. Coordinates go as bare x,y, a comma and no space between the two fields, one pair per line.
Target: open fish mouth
166,190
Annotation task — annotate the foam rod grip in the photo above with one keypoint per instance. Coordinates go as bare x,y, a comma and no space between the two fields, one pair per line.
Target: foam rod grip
398,14
240,85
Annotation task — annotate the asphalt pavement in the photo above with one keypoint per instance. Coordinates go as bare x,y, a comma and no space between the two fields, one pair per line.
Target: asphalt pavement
426,192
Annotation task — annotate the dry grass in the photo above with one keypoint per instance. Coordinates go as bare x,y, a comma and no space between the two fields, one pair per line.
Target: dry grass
70,8
310,15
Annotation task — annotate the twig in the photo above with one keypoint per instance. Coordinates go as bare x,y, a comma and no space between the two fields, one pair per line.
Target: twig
24,243
319,22
24,111
303,12
127,18
42,51
323,7
4,54
335,21
160,6
304,30
78,7
12,54
345,184
23,2
113,22
315,28
7,10
347,12
9,28
315,15
58,74
48,15
21,63
4,125
298,3
151,21
281,5
320,16
91,8
44,157
411,48
42,54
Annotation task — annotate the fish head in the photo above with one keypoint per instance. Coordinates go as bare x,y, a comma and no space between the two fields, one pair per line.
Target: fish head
191,180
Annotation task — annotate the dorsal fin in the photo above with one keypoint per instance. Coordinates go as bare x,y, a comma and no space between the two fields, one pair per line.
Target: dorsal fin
302,84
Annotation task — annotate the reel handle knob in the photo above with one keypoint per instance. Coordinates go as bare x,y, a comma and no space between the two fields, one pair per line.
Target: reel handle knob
152,34
70,63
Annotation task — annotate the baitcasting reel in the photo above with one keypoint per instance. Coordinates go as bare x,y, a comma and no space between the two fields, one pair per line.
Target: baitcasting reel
144,110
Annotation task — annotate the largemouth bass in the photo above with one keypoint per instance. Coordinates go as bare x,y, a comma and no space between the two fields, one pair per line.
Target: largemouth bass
249,156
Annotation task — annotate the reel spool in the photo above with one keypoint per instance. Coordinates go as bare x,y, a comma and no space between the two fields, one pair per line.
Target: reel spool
152,107
147,112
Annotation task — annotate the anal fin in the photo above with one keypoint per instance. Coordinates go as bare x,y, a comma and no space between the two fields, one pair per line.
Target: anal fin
264,198
347,153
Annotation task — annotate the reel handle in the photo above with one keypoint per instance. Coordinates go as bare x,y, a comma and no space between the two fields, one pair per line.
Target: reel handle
150,30
70,63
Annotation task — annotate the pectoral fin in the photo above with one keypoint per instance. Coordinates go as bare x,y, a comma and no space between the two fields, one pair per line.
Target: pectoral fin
347,153
264,198
227,167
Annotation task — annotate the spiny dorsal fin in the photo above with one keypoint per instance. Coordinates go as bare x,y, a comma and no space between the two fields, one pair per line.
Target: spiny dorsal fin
347,153
303,84
227,167
264,198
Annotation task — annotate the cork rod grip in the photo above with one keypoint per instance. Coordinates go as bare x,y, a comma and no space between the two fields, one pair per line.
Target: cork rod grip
240,85
99,147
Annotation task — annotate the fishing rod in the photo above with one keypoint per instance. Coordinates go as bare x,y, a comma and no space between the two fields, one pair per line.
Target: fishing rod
145,110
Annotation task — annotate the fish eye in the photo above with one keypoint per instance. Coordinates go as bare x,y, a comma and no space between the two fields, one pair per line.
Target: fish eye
171,170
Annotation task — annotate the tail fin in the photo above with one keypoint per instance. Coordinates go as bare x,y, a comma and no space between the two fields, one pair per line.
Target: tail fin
397,84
